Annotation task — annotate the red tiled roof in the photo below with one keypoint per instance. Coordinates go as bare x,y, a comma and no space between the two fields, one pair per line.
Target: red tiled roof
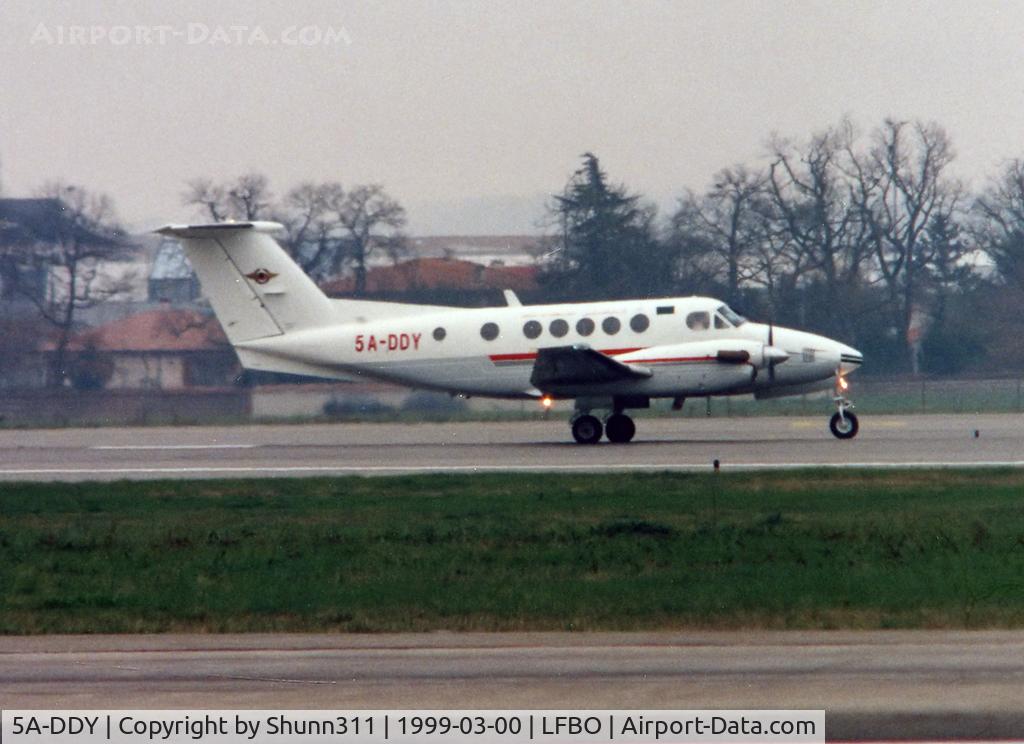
156,330
511,277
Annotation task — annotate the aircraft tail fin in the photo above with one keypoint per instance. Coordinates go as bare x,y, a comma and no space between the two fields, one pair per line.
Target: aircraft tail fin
255,288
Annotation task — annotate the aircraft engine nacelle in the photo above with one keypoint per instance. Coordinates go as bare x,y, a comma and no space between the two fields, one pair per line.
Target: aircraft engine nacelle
704,367
722,351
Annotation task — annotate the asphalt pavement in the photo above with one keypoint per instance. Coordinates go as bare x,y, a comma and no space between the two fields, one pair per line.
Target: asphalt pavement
383,449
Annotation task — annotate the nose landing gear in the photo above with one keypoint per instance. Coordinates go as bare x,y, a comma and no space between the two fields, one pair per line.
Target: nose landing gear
843,424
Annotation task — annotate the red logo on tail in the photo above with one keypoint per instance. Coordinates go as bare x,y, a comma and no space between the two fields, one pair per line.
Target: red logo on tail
260,276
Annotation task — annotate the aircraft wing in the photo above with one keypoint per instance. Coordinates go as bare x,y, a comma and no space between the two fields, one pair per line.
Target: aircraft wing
580,365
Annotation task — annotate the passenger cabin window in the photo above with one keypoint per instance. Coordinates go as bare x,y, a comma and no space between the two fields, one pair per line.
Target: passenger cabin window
439,334
584,326
611,326
698,321
639,323
720,322
489,331
558,328
532,328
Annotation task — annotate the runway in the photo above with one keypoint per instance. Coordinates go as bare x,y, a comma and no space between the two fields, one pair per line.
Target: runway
873,685
381,449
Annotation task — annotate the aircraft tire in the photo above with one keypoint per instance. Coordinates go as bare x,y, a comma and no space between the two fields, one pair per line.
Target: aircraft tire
841,431
587,429
619,428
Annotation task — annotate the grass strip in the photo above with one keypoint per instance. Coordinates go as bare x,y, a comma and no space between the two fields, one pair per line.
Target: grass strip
807,549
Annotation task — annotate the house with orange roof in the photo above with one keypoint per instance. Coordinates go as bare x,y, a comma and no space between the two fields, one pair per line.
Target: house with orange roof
164,349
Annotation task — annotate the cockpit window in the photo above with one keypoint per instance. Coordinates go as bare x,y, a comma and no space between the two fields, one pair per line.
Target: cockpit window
699,321
727,312
721,322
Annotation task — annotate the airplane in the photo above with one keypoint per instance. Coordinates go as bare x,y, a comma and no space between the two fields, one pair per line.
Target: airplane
606,356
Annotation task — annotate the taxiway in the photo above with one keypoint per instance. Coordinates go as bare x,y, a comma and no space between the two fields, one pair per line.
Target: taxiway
873,685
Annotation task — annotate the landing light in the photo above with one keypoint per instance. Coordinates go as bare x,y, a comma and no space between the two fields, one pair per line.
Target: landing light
843,384
546,402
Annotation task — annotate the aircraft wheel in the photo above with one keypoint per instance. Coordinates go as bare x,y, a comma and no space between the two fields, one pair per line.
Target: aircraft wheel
586,430
845,426
619,428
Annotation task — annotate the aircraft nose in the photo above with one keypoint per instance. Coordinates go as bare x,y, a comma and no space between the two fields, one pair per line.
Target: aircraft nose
849,358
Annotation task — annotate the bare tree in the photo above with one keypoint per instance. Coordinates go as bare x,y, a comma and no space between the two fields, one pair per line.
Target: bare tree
697,268
248,197
210,197
998,224
312,230
84,237
821,233
810,189
325,226
726,223
901,186
370,219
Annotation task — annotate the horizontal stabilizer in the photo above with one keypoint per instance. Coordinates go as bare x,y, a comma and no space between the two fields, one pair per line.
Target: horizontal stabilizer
217,229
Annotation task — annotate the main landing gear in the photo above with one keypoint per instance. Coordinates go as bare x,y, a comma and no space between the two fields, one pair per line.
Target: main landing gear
587,429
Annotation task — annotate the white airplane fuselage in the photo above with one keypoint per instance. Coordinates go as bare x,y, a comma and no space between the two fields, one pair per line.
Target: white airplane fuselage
615,355
445,349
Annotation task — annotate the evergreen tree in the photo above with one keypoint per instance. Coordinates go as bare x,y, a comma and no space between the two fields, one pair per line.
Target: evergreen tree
605,247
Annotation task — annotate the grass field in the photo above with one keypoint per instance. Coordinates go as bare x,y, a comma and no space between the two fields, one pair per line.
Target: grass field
541,552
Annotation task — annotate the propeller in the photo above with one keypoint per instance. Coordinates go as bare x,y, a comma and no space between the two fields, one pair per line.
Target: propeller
773,354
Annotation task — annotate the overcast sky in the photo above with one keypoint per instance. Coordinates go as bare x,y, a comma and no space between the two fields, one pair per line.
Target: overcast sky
469,113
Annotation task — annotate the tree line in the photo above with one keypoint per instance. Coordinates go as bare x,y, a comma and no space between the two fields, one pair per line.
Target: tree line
867,237
326,226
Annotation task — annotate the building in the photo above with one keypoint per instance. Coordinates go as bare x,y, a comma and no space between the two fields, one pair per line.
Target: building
25,225
164,349
487,250
171,278
41,240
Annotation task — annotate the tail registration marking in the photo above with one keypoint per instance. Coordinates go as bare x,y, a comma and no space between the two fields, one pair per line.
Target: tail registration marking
390,342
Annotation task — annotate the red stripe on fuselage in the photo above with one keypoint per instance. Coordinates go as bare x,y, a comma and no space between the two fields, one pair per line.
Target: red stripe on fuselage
666,360
533,355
